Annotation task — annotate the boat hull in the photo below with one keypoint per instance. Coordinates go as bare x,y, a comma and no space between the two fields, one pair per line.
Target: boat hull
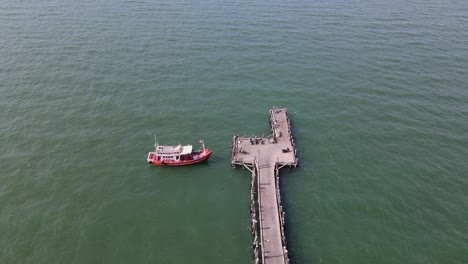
195,158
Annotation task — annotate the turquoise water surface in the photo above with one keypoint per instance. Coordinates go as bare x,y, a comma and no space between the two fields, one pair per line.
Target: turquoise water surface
377,93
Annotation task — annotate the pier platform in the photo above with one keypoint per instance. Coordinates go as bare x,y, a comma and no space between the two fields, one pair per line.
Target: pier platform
264,157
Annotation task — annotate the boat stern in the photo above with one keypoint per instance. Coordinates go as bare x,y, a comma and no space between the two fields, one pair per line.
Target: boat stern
151,157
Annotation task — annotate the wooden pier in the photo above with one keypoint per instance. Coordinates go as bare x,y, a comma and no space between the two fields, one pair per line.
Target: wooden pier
264,157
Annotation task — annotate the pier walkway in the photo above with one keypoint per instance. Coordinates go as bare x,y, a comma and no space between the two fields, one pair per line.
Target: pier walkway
264,157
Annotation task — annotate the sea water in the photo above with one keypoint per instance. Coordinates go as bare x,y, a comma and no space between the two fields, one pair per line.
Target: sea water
377,94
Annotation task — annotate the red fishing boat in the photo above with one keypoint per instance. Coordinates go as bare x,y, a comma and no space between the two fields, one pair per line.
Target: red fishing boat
178,155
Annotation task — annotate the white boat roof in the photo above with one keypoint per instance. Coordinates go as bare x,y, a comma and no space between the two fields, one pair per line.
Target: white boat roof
186,150
177,150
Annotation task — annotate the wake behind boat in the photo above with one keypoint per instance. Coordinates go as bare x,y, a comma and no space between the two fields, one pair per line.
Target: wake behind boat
178,155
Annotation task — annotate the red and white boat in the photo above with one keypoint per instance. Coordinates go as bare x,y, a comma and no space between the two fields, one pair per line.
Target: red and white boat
177,155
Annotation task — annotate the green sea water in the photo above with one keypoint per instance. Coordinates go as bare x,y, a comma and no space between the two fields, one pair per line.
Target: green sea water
377,93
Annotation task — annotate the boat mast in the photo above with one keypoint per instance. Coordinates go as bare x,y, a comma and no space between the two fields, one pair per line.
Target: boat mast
155,143
203,144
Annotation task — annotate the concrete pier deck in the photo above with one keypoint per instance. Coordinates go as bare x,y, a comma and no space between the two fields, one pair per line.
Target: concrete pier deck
264,157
